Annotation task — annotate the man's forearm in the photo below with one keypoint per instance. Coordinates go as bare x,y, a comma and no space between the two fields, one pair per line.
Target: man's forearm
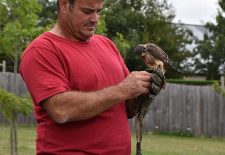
76,106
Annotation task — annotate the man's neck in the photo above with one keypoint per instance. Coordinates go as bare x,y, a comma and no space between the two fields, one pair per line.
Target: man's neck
58,31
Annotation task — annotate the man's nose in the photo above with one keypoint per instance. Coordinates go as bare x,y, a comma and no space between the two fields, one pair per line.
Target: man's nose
95,17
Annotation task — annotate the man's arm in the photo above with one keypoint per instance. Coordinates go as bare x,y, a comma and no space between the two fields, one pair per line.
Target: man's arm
75,106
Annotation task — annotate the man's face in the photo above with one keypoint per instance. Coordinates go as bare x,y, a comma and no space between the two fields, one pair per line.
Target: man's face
79,21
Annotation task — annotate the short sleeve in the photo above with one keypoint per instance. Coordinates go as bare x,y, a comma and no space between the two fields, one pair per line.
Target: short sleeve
43,73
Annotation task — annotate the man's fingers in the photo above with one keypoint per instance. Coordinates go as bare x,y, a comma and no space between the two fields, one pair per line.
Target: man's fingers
135,84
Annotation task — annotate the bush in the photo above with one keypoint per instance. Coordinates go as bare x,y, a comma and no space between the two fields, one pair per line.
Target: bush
192,82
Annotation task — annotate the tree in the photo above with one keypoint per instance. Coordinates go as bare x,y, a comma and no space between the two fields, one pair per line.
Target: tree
18,27
122,44
210,52
101,28
48,14
151,22
10,106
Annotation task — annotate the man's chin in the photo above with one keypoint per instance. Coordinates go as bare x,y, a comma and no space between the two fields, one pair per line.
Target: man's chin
89,33
86,36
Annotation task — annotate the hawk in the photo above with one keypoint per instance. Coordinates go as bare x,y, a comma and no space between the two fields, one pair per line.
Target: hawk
156,61
154,57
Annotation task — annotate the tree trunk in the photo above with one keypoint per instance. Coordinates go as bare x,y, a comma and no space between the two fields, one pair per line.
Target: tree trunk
13,134
12,144
13,123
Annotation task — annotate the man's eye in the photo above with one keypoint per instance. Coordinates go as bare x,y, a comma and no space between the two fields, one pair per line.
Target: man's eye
87,12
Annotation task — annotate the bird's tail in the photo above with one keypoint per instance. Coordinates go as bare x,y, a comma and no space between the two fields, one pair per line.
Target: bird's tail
138,148
171,66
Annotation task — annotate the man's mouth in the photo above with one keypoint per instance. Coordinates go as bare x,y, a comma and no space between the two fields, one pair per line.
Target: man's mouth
90,27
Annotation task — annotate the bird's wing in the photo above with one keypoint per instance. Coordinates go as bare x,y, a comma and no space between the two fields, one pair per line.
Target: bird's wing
157,52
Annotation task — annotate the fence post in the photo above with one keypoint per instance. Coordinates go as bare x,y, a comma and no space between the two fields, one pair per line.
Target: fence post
222,82
3,65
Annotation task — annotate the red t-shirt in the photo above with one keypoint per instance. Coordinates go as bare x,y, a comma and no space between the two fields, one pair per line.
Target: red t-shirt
52,65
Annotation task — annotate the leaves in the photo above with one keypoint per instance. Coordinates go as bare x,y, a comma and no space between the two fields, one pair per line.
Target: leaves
121,43
219,89
101,28
18,26
210,53
10,102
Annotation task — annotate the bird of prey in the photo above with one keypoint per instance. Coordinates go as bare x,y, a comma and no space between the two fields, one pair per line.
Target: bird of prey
156,61
154,57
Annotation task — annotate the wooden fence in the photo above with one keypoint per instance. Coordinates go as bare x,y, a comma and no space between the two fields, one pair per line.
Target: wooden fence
197,110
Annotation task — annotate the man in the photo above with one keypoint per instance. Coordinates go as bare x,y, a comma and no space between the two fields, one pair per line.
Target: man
79,84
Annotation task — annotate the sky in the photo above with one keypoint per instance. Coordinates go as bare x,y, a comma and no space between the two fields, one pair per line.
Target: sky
195,11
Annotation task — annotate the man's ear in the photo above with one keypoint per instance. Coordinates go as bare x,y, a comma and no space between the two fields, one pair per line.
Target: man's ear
63,5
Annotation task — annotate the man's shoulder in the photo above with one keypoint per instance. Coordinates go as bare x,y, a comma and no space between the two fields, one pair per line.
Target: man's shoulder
42,41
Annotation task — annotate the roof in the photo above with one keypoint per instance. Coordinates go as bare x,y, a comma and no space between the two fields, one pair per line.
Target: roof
198,31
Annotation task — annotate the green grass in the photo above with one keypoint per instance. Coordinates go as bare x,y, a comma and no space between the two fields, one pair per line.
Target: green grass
162,144
153,144
26,140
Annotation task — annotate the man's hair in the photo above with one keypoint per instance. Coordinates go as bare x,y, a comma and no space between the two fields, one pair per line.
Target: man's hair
70,1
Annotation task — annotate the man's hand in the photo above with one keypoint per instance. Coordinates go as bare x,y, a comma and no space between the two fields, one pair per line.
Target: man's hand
135,84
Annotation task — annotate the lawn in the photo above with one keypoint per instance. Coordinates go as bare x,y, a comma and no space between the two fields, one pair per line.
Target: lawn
158,144
26,140
153,144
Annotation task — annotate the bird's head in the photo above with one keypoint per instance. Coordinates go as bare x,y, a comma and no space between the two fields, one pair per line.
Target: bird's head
140,49
150,49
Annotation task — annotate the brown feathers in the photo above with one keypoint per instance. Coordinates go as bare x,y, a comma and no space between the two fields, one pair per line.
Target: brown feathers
154,56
